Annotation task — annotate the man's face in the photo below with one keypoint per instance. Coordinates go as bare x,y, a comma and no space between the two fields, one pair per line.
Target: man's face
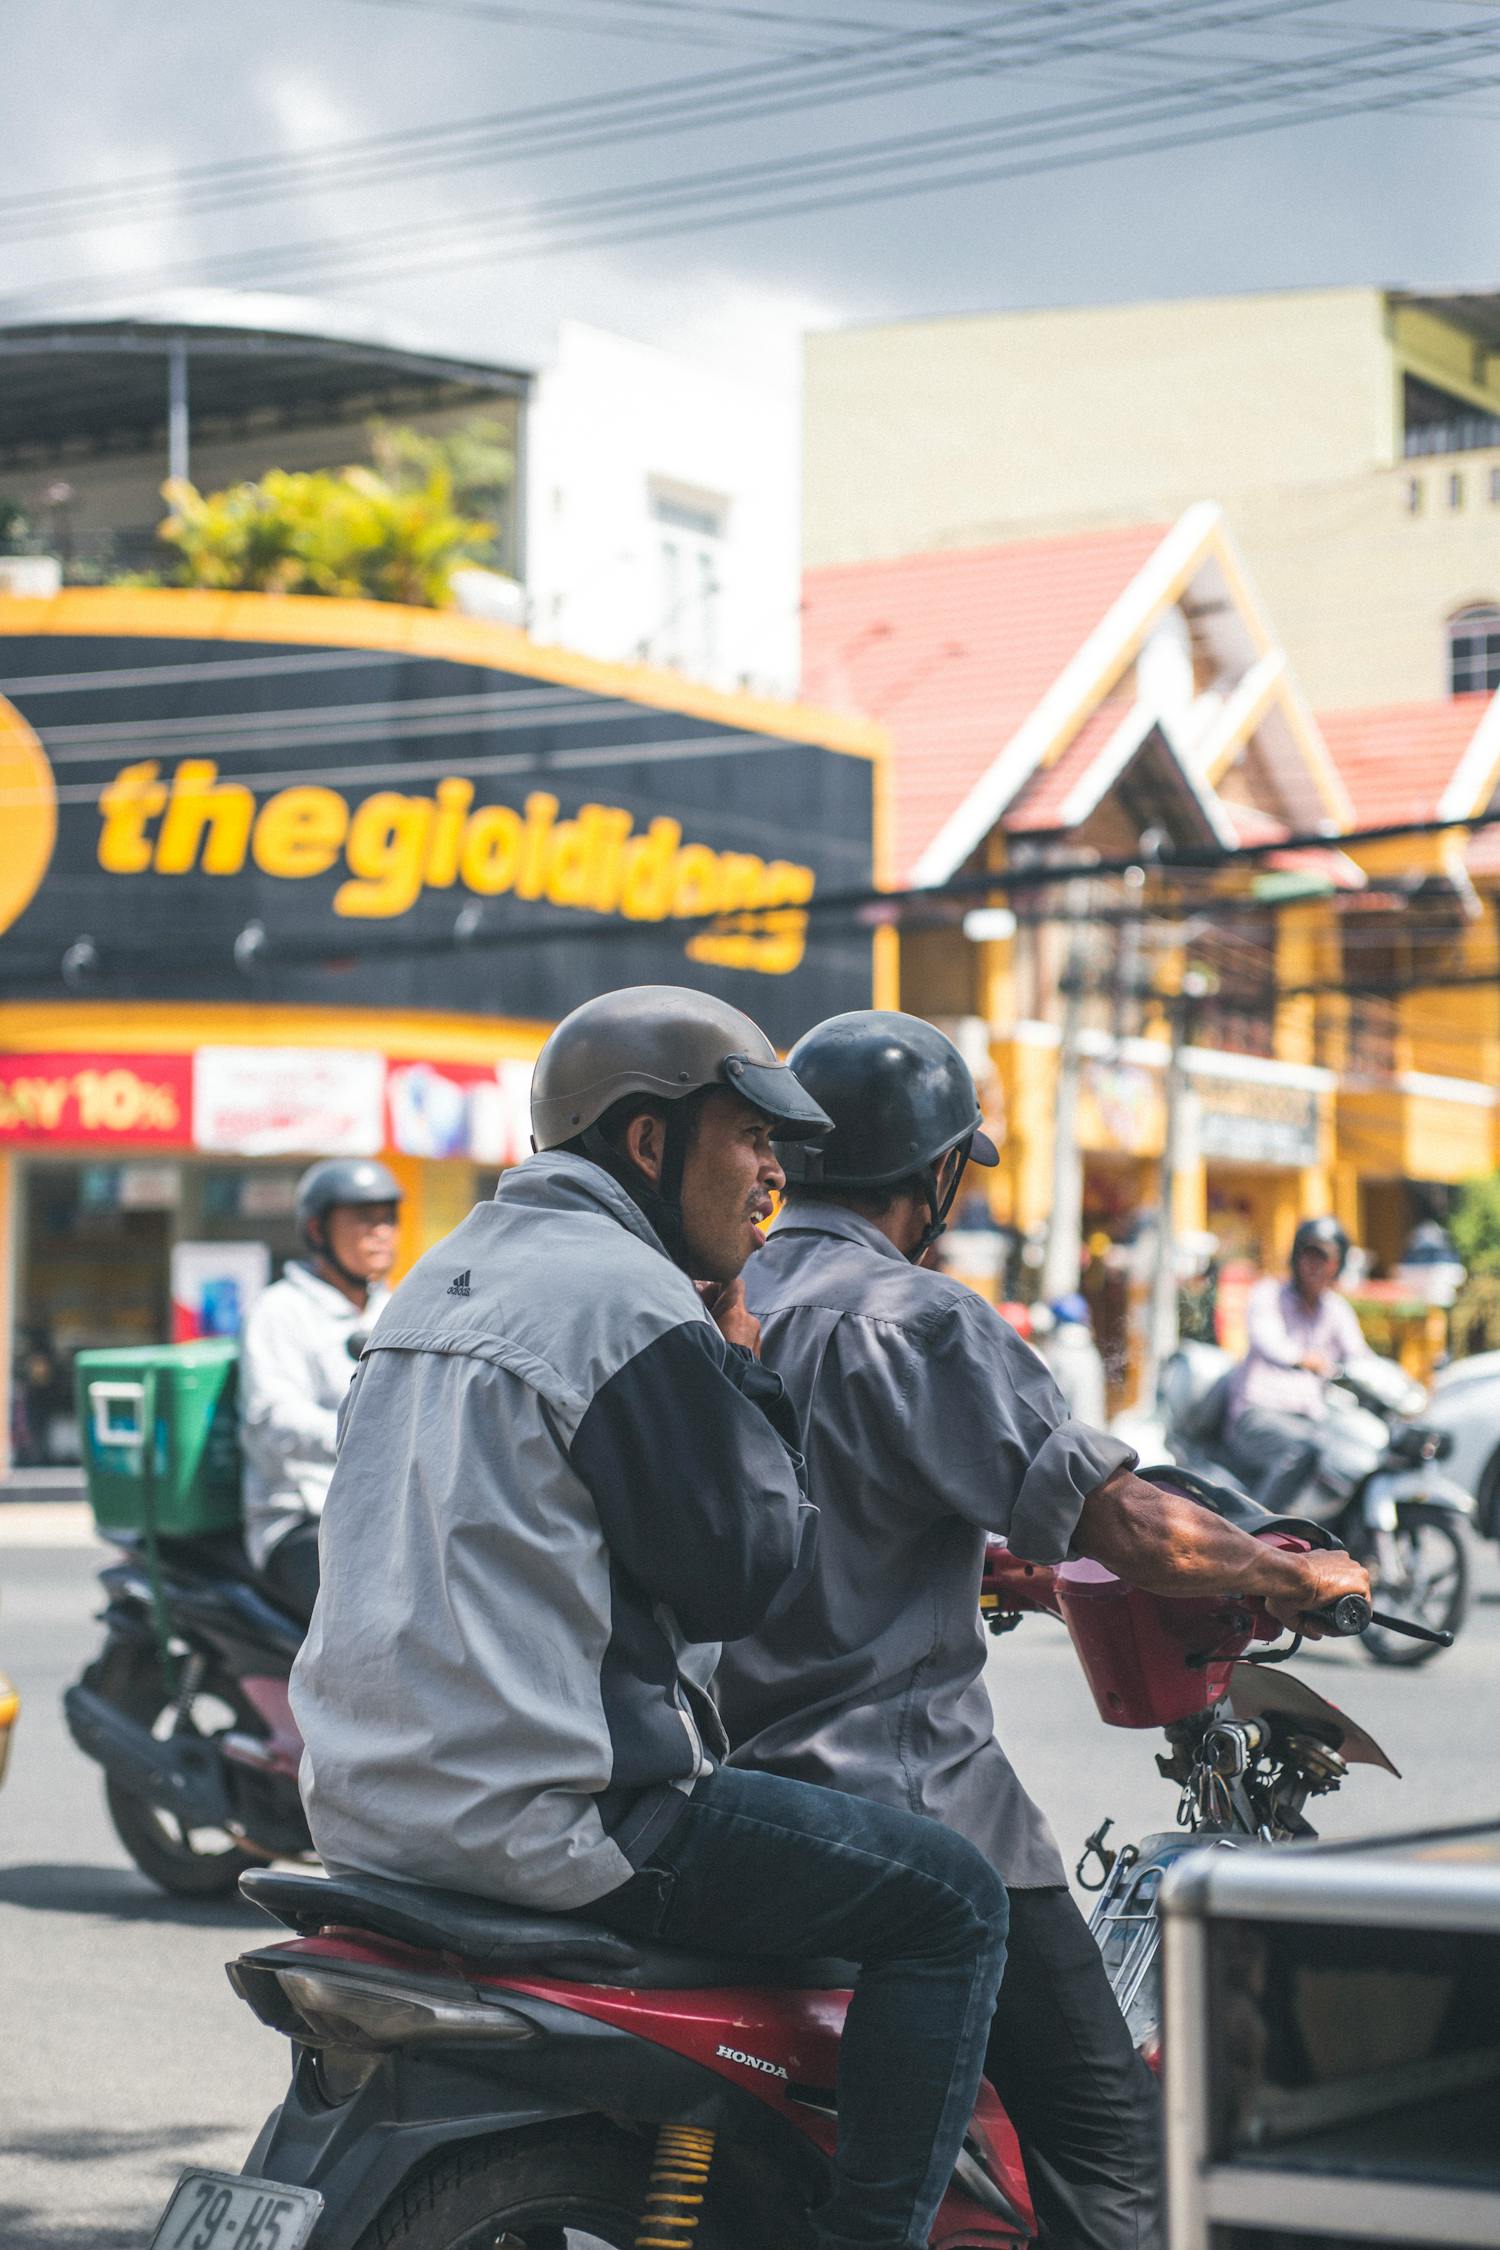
362,1237
728,1182
1314,1272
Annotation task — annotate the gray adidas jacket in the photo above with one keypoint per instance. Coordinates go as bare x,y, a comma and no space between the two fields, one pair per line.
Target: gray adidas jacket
557,1488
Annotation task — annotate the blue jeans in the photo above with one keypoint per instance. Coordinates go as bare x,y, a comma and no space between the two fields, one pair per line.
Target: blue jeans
759,1865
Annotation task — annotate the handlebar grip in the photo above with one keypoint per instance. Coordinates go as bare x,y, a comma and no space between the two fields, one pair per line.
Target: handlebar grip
1352,1614
1349,1615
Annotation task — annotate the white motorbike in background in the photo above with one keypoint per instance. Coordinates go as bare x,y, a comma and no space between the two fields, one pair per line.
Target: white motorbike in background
1377,1485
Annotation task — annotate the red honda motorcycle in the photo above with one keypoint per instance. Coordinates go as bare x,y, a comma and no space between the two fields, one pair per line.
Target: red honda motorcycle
469,2076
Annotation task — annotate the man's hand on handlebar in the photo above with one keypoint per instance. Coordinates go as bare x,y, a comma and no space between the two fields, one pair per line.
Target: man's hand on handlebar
1167,1544
1310,1583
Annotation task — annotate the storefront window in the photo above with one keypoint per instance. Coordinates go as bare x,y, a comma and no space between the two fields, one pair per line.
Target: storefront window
95,1268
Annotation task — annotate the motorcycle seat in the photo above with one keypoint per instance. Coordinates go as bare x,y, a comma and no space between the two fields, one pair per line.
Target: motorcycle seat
493,1936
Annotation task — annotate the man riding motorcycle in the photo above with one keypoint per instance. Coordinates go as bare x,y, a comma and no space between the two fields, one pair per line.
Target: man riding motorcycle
929,1423
297,1359
1301,1333
563,1475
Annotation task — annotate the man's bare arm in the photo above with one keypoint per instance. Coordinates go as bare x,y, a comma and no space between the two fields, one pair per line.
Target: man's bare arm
1168,1545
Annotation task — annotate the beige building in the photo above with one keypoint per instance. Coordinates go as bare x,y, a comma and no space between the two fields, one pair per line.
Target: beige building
1351,436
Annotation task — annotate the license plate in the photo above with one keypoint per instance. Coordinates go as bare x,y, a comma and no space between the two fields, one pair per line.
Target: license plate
227,2211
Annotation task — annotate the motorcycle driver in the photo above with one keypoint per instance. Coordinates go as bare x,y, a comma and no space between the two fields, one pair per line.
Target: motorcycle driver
929,1423
297,1358
1301,1333
563,1476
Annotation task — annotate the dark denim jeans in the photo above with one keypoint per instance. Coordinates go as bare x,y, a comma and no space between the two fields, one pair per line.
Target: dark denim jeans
759,1865
1084,2105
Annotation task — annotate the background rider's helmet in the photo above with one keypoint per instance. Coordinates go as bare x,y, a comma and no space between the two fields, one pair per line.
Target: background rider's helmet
336,1180
660,1043
1321,1234
900,1095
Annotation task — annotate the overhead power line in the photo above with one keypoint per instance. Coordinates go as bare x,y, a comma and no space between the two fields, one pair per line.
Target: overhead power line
1273,95
1372,77
1040,31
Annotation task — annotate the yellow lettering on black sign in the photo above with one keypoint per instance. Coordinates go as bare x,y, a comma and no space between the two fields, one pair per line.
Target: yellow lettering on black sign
391,847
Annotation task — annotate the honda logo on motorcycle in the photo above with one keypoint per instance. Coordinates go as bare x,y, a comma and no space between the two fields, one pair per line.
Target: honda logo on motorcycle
751,2062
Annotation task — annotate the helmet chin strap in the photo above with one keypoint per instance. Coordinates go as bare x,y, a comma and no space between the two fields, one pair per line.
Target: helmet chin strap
325,1254
660,1200
937,1211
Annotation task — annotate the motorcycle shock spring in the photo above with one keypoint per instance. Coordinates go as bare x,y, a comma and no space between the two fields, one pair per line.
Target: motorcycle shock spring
679,2182
189,1681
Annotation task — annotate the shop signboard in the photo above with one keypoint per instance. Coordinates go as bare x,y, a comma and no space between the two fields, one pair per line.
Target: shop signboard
1121,1108
1257,1121
121,1100
277,1101
460,1110
282,820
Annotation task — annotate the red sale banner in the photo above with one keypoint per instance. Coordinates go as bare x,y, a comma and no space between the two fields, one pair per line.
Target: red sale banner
141,1100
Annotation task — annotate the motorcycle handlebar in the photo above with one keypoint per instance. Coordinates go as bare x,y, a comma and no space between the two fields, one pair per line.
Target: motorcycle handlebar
1352,1614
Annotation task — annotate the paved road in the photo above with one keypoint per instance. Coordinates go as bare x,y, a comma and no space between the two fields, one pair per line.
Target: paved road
126,2055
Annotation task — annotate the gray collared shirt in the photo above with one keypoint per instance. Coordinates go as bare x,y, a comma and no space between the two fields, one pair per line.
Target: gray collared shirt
928,1422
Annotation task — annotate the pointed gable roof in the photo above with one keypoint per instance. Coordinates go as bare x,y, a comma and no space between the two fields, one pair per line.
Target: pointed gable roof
954,651
1002,677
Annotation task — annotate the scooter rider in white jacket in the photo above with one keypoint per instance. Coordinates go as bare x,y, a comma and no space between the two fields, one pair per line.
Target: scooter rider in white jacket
297,1358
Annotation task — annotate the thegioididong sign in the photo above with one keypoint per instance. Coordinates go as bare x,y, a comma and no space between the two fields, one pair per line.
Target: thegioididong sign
364,826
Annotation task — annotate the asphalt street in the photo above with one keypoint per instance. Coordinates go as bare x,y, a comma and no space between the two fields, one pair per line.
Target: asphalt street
125,2054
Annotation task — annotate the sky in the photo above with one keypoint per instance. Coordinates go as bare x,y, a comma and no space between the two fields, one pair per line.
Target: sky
480,228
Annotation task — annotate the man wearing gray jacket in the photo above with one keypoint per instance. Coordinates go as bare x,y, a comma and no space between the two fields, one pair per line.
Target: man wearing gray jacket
563,1476
929,1423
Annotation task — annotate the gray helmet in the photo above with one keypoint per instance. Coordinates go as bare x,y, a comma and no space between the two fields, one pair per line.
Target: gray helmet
1321,1234
665,1042
341,1179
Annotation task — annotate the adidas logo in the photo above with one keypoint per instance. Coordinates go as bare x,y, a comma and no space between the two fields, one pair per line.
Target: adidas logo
459,1285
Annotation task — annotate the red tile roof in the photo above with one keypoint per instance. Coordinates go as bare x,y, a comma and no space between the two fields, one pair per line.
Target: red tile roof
1040,804
953,651
1397,760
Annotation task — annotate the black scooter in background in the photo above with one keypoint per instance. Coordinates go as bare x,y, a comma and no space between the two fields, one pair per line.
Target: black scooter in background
185,1708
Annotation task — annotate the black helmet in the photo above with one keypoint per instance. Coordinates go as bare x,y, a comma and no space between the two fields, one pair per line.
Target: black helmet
1321,1234
900,1095
339,1180
662,1042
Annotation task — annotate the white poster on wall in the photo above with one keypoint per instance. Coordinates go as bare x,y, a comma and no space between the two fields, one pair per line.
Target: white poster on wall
288,1101
214,1284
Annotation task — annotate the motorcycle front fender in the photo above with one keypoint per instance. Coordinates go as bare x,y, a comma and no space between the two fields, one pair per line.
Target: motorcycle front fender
1390,1490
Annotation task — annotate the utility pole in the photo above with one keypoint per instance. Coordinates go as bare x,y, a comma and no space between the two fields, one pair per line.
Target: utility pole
1179,1153
1062,1261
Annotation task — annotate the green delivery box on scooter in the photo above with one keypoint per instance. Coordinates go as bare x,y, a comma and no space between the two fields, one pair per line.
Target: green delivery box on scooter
161,1447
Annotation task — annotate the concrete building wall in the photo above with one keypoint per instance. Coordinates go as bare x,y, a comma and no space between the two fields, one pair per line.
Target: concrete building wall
1360,588
1283,408
967,432
662,514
